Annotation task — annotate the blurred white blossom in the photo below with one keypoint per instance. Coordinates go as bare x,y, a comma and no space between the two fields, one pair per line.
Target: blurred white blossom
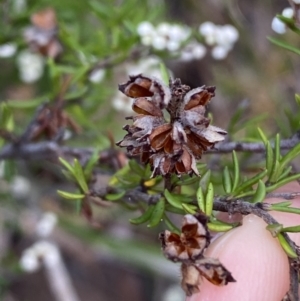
40,252
7,50
277,25
220,37
173,293
46,224
166,36
296,1
97,76
31,66
20,187
192,51
219,52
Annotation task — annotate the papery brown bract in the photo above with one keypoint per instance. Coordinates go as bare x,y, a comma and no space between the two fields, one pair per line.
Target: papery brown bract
174,145
214,271
190,280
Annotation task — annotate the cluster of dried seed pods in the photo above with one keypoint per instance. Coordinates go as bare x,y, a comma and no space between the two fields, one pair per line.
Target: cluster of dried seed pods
173,145
188,248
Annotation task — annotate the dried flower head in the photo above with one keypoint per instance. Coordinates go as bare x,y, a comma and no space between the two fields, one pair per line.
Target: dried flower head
169,146
188,248
42,35
192,241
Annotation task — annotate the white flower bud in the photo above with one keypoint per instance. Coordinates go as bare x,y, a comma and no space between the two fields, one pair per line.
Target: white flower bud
219,52
7,50
159,42
207,28
288,12
145,29
20,187
97,76
278,26
173,45
163,29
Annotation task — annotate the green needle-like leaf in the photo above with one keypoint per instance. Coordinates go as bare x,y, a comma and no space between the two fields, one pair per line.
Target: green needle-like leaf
260,193
204,181
286,247
236,171
284,45
226,179
157,214
201,199
144,217
114,196
291,229
262,135
79,175
209,200
250,182
70,196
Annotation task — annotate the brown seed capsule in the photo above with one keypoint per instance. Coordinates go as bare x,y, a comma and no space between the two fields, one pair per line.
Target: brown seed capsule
174,145
190,244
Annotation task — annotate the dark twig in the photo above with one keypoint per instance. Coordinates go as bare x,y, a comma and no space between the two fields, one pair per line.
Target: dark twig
283,195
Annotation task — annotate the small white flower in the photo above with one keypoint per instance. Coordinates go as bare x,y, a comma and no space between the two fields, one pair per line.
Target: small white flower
173,45
145,29
47,251
207,28
288,12
278,26
192,51
31,66
296,1
219,52
46,225
163,29
7,50
97,76
147,40
20,187
29,262
231,33
179,33
159,42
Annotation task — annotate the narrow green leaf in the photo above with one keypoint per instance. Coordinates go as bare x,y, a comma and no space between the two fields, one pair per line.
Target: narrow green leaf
204,181
297,99
274,174
288,157
209,200
164,73
262,136
91,163
251,181
173,199
190,209
26,104
69,195
283,45
283,182
67,165
226,179
260,193
285,209
157,214
115,196
236,171
284,204
269,157
291,229
144,217
219,227
201,199
286,247
136,167
79,175
277,148
285,173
